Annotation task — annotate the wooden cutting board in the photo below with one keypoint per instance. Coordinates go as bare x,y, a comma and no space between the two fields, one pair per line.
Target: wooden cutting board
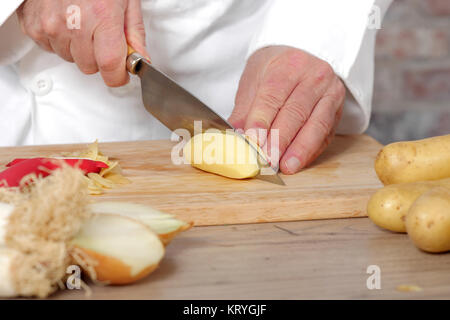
338,185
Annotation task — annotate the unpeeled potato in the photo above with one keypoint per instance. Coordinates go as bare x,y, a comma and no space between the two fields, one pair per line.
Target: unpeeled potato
222,153
428,220
388,207
402,162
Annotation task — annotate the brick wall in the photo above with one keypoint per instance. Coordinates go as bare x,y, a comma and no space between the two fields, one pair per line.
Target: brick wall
412,77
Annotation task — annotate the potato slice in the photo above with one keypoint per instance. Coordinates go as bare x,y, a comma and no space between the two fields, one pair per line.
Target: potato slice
124,249
165,225
222,153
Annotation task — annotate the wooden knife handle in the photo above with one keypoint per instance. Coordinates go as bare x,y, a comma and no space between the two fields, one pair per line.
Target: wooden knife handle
130,51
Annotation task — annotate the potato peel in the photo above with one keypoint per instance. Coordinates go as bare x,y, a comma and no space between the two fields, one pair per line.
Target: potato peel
107,178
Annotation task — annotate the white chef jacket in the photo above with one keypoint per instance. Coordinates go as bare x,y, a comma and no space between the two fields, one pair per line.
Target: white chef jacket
201,44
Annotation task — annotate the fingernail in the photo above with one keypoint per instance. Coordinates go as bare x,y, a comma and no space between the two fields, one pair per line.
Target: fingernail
293,164
262,138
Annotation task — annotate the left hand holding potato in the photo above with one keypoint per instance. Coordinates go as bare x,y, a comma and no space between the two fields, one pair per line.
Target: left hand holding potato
300,95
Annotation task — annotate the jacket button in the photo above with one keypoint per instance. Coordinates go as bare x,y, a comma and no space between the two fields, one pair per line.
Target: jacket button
41,85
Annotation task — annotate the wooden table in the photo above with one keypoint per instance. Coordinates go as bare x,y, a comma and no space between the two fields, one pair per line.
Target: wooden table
319,259
324,259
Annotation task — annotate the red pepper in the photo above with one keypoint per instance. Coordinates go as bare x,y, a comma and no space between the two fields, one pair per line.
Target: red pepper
42,167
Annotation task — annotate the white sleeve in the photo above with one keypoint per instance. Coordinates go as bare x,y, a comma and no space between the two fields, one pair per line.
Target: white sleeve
339,32
14,44
7,8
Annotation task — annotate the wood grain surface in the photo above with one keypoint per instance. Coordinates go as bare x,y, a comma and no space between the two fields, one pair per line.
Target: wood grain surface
325,259
338,185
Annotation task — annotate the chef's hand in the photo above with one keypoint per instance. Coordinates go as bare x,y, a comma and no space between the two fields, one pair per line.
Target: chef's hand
294,92
100,44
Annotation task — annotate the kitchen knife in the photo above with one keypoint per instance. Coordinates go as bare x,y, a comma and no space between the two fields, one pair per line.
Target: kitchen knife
176,108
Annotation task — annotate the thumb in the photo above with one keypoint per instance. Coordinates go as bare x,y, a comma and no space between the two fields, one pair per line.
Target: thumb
135,28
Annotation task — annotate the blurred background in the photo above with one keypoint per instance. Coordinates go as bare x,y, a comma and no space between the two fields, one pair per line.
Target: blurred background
412,77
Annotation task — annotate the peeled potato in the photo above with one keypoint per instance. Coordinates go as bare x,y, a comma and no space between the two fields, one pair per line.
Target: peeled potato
388,207
222,153
402,162
164,225
124,250
428,221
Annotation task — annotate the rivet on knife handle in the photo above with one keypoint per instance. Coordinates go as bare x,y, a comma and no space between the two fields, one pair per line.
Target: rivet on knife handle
133,60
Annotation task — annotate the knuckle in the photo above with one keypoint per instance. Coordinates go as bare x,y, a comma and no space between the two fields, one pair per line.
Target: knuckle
139,28
283,142
295,58
237,113
270,101
338,91
108,11
50,26
303,148
34,31
35,34
296,112
322,126
101,8
110,63
26,27
325,71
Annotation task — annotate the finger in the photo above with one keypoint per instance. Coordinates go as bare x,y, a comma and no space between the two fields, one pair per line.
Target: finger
82,51
61,47
53,26
329,139
245,95
279,80
135,28
110,49
325,143
82,47
316,133
297,109
31,27
43,43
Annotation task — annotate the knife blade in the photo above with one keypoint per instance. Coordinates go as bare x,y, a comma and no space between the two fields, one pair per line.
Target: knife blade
177,108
